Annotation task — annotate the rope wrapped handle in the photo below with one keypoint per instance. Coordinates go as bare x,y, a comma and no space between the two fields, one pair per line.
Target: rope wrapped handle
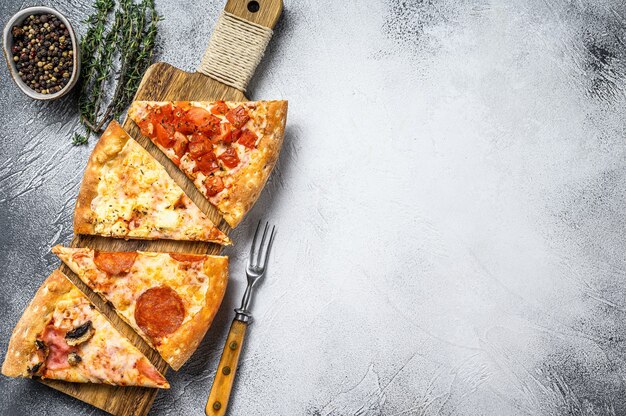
235,50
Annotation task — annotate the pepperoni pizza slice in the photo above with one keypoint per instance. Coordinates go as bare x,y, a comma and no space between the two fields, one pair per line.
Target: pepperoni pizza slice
62,336
126,193
170,299
227,149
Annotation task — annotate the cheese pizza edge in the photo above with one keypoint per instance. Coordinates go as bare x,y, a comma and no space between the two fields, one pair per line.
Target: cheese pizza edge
184,342
110,144
32,322
251,179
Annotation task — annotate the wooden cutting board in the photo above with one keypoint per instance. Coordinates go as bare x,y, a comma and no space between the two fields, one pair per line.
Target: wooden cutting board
161,82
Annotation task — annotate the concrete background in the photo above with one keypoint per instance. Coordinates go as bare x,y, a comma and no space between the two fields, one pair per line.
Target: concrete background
450,202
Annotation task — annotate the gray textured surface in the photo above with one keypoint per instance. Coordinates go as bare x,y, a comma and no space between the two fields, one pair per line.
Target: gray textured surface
450,201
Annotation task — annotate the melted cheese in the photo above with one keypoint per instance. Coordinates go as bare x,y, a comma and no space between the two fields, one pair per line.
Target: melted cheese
136,198
107,357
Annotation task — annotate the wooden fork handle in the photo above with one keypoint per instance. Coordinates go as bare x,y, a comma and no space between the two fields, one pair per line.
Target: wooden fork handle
225,375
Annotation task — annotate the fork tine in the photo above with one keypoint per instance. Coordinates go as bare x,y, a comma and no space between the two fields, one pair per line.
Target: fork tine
269,248
251,258
260,253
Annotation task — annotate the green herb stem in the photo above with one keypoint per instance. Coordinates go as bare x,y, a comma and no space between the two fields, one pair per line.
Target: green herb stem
126,43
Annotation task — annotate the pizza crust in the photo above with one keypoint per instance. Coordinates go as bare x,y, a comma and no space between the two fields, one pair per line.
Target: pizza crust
183,343
249,181
110,144
35,318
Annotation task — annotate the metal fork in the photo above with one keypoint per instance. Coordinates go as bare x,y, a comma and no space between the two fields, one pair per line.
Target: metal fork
225,375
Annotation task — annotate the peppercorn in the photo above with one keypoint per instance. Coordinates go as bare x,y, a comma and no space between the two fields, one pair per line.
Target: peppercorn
42,52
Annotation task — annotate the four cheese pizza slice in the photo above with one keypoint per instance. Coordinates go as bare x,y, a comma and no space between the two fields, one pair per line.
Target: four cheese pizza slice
126,193
62,336
227,149
169,299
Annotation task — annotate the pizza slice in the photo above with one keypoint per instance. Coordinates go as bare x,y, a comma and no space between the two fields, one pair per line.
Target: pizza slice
170,299
227,149
126,193
62,336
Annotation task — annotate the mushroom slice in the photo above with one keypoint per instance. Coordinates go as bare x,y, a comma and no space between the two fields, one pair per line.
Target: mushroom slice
73,359
35,370
42,355
80,334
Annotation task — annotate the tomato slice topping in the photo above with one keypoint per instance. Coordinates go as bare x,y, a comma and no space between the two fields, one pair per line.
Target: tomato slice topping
236,134
248,139
185,126
227,135
164,135
206,164
147,128
232,137
229,158
220,108
214,185
238,116
199,137
204,121
180,147
199,148
163,114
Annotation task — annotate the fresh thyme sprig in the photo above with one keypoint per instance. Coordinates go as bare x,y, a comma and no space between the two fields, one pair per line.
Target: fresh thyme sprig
78,139
128,45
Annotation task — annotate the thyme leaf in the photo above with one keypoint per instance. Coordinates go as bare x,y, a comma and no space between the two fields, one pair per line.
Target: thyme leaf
79,139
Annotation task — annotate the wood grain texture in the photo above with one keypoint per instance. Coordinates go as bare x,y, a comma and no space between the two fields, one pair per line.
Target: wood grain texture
160,82
217,404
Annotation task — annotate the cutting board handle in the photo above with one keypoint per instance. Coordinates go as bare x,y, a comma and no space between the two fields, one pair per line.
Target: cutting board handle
239,39
267,14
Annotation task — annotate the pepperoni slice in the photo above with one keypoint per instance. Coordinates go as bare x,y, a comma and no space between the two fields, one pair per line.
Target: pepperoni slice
248,139
114,262
220,108
238,116
159,311
187,258
229,158
214,185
